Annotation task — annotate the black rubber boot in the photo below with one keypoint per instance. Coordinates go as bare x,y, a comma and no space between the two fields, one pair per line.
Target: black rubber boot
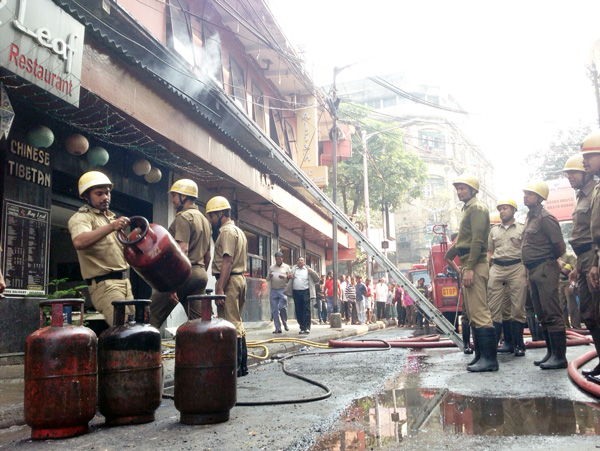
507,347
534,329
476,349
498,331
517,338
242,357
466,333
595,332
558,359
488,348
548,350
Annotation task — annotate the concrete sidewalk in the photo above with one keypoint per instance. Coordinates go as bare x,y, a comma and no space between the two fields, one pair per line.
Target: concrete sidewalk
12,376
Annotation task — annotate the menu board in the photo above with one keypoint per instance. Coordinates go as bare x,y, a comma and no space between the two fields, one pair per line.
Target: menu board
25,248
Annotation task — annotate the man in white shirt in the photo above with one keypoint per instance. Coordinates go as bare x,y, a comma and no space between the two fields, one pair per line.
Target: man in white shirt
278,277
303,290
381,292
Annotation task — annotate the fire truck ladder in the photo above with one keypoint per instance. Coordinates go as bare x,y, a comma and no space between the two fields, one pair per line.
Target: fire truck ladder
428,309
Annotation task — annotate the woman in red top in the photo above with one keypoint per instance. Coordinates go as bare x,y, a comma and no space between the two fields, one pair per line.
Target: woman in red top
329,291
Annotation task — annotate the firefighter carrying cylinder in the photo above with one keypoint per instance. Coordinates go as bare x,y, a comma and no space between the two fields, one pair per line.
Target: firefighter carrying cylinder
129,367
61,374
155,255
205,367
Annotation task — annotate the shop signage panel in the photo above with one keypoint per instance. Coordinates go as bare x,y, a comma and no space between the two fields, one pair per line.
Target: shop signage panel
25,248
307,136
42,44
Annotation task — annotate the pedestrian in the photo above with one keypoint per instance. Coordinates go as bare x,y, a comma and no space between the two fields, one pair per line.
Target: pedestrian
507,279
587,259
542,245
228,267
191,230
381,292
369,300
361,299
343,300
278,277
424,290
390,307
303,280
398,302
351,299
320,298
94,234
329,281
409,305
471,248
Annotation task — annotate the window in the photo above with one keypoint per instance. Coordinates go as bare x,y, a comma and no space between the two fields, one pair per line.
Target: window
431,140
211,61
290,254
258,106
313,262
181,30
257,255
290,138
238,83
435,185
389,101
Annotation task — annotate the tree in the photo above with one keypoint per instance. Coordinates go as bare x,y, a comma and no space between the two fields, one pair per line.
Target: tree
395,174
549,164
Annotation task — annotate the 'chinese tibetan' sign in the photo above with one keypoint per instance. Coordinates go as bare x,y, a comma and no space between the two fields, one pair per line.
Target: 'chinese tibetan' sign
42,44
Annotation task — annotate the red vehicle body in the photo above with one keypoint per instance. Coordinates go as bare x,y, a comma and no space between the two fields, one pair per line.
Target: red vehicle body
442,280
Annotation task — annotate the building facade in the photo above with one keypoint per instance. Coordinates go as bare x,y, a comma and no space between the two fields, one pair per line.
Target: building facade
193,89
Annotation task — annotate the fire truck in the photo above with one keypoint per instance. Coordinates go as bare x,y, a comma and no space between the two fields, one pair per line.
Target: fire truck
442,280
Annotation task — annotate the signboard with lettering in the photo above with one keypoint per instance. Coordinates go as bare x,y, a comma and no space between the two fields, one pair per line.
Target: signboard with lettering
308,138
25,241
42,44
561,199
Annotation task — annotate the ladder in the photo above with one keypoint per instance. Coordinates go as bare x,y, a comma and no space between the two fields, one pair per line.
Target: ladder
428,309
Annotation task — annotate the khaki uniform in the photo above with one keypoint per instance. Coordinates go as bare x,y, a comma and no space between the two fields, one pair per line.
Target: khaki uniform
592,312
541,233
471,248
566,297
507,273
190,226
232,241
105,258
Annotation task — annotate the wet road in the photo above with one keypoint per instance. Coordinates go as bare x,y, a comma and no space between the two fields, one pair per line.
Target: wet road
380,399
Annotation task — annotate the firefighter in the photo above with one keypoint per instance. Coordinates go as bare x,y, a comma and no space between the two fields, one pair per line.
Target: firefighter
587,261
471,248
229,266
581,238
507,278
192,232
542,245
93,232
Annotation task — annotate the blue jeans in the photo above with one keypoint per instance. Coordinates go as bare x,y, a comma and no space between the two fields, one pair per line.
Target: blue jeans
278,302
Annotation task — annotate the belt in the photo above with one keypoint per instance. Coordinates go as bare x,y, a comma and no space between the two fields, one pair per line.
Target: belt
535,263
115,275
231,274
582,249
199,264
506,262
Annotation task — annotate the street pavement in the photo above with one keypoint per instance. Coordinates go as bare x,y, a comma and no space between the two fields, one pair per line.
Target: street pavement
12,376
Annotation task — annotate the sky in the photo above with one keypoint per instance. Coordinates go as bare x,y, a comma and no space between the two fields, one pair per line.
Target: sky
517,67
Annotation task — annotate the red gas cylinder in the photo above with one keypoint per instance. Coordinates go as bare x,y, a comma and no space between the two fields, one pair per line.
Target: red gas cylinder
61,374
155,255
129,367
205,367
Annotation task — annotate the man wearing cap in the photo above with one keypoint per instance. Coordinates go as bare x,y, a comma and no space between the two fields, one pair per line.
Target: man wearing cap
471,248
542,245
229,266
192,232
93,232
507,278
278,279
587,261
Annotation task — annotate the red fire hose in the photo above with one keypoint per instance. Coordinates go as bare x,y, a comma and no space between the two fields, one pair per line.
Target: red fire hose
573,369
433,341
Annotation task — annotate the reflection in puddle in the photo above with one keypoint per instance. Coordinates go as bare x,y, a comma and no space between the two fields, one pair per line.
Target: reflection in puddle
389,417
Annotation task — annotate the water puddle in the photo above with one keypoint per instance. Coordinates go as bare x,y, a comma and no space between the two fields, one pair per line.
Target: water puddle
395,414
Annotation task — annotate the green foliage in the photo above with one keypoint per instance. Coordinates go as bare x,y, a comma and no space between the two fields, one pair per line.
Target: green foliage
401,175
548,165
74,292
